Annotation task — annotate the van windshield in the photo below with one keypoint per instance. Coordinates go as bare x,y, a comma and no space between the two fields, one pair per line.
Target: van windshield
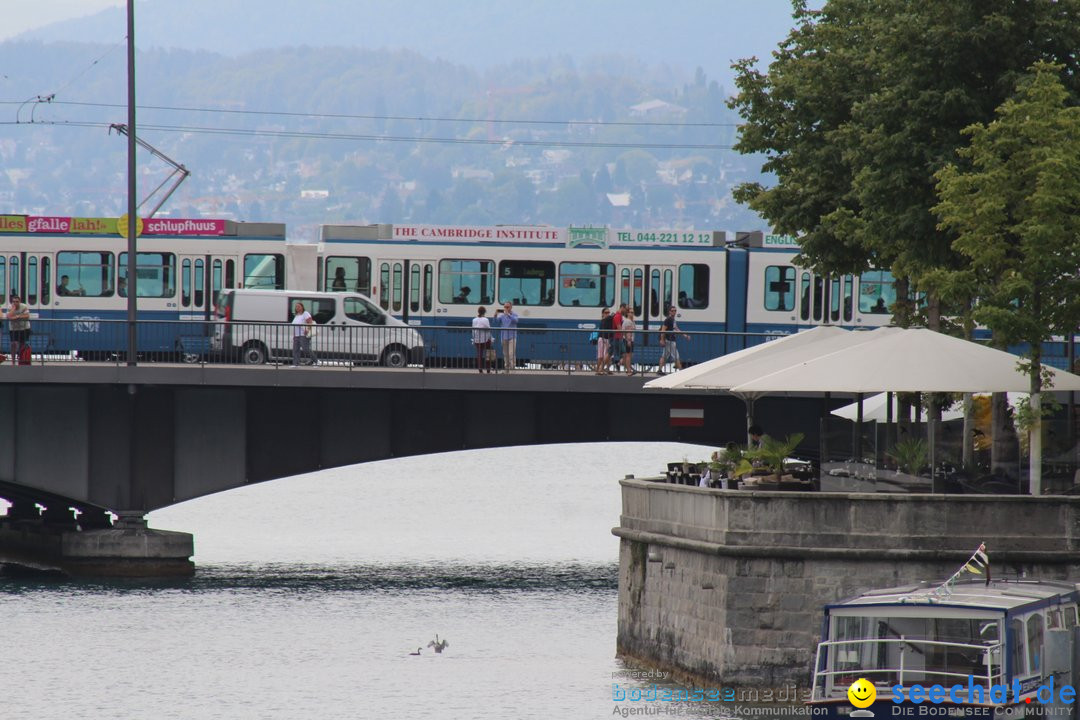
361,310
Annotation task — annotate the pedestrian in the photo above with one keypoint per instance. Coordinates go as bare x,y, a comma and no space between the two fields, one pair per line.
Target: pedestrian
508,321
617,347
302,322
18,316
628,328
669,332
481,337
603,343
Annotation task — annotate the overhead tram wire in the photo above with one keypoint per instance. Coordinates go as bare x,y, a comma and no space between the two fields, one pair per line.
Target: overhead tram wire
309,135
415,118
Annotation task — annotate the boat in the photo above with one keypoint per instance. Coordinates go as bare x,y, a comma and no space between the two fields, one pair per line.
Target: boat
1000,649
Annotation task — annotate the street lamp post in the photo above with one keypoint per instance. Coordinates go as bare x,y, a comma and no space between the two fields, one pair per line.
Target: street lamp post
132,208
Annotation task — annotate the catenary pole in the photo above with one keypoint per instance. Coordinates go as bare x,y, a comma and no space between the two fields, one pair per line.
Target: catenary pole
132,208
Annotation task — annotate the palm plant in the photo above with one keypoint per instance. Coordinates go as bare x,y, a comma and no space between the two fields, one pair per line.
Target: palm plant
911,455
772,453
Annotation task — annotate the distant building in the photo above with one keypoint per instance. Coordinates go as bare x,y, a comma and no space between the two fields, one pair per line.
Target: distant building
314,194
657,108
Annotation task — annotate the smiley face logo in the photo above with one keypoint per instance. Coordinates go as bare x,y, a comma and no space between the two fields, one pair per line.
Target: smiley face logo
862,693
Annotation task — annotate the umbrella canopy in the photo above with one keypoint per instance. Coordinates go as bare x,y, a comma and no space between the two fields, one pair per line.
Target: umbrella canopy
908,360
724,373
875,408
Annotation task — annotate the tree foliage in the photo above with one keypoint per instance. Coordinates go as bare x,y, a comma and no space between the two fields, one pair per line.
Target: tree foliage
1013,201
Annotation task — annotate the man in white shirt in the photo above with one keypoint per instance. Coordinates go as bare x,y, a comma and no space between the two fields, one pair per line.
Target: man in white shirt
302,322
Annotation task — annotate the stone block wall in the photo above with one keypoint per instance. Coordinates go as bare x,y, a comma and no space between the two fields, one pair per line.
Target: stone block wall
728,586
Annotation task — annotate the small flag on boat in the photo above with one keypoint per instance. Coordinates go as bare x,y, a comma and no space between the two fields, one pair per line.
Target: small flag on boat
979,563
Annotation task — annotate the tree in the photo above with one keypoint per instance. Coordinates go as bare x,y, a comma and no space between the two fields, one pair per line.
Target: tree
1015,209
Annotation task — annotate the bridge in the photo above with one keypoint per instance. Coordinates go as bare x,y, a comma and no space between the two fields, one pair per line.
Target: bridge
117,440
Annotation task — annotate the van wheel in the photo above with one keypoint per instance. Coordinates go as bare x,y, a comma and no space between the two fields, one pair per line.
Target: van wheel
254,354
395,356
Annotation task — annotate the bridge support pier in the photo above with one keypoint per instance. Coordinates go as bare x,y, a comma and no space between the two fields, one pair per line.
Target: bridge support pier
128,549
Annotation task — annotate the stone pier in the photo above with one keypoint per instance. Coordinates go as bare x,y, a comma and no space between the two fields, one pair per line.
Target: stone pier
128,549
727,586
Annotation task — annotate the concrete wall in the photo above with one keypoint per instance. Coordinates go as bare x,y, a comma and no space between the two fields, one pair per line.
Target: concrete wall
728,586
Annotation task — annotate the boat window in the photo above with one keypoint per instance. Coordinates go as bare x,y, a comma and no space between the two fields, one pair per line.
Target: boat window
527,282
1070,617
1053,619
587,284
693,286
780,287
469,282
1018,657
1035,643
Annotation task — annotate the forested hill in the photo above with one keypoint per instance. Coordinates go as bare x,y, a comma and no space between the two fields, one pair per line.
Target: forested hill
684,34
348,135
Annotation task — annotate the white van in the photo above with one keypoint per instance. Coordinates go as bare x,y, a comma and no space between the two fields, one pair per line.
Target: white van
256,327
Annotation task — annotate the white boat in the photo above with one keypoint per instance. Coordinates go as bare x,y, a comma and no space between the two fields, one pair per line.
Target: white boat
1002,649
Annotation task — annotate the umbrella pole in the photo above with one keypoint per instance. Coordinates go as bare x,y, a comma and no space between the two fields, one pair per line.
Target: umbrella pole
857,440
935,484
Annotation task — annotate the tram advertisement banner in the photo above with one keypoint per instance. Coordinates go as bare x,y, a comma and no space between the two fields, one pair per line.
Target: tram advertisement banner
107,226
480,233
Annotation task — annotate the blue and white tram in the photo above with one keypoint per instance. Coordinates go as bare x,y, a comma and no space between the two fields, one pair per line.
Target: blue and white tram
75,269
562,277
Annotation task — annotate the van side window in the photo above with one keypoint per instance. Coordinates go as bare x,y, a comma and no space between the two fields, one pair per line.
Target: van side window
321,309
362,311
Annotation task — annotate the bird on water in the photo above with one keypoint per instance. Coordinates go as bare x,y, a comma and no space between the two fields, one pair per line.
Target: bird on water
416,653
438,644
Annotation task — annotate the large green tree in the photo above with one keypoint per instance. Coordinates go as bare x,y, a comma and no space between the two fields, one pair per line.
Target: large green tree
1013,201
866,99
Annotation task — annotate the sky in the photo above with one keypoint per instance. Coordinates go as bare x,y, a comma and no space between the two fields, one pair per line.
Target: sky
22,15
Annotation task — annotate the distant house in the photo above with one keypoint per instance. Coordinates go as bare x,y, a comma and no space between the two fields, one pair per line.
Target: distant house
314,194
619,199
657,108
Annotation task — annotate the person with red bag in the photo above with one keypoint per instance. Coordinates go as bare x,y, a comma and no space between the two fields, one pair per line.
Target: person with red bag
18,316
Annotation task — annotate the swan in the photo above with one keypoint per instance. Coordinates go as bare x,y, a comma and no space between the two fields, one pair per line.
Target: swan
416,653
439,644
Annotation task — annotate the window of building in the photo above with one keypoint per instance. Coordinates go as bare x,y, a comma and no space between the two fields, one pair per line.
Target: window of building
89,273
586,284
155,273
347,274
693,286
469,282
780,287
264,272
527,282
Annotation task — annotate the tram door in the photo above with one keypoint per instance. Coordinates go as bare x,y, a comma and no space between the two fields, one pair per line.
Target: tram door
202,279
825,299
406,289
648,290
29,275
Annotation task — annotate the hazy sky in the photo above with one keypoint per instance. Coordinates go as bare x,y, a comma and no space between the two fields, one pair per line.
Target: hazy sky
22,15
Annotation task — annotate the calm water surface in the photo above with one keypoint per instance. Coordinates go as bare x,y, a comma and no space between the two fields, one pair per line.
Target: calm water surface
312,591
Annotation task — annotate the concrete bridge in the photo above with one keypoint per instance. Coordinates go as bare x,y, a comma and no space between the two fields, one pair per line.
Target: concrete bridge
128,440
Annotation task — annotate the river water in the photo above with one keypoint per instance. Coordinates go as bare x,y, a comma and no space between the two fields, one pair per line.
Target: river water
311,593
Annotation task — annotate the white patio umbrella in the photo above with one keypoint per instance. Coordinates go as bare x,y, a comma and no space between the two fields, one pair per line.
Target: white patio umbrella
725,372
911,360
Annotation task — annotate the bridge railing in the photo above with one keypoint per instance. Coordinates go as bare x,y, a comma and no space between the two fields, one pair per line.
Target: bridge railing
417,347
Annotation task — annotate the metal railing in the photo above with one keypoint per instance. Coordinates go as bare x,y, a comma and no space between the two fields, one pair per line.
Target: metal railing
419,347
823,676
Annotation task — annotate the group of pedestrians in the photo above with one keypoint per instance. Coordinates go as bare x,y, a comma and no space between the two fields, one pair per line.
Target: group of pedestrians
506,320
616,338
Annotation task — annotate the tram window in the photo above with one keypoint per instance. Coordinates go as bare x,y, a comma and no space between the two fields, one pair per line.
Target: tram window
586,284
348,274
362,311
877,292
31,281
429,283
1035,643
819,297
414,288
780,288
849,292
13,286
639,288
230,274
215,282
3,279
654,300
185,283
89,273
384,286
693,286
804,284
527,282
200,282
46,280
624,286
669,288
834,299
470,282
155,274
398,282
264,272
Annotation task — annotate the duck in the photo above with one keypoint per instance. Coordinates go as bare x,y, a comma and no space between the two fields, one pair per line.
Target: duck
416,653
438,644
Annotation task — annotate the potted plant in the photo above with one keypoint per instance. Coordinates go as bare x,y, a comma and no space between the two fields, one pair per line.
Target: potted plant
772,453
911,455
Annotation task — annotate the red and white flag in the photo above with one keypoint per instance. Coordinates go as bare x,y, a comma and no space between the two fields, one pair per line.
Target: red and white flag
687,414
